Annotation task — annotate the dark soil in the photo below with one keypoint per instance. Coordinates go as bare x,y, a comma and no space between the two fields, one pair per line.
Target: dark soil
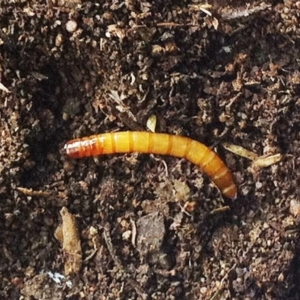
151,227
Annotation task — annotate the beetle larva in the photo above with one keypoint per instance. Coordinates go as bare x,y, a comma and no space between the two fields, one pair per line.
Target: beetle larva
157,143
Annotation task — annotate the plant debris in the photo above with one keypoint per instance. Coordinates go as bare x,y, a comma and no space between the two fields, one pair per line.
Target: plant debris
68,236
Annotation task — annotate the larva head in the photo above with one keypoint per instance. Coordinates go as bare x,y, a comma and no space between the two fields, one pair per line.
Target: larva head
73,149
83,147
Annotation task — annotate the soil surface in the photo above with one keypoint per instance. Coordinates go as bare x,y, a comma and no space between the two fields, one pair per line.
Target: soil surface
149,226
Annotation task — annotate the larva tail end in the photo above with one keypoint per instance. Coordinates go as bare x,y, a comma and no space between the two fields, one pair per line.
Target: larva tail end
231,191
234,197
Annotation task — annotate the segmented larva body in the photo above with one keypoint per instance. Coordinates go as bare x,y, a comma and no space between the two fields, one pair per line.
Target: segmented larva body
156,143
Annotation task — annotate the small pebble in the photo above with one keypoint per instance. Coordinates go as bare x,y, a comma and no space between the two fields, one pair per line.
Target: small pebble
71,26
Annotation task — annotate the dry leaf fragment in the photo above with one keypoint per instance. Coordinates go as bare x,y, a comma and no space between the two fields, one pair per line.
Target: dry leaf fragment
295,207
266,161
240,151
68,236
151,123
259,162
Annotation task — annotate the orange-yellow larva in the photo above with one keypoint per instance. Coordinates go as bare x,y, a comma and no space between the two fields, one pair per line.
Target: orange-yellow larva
156,143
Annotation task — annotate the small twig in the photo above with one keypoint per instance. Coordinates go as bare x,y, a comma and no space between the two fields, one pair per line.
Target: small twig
110,247
219,210
217,293
139,290
31,192
169,24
